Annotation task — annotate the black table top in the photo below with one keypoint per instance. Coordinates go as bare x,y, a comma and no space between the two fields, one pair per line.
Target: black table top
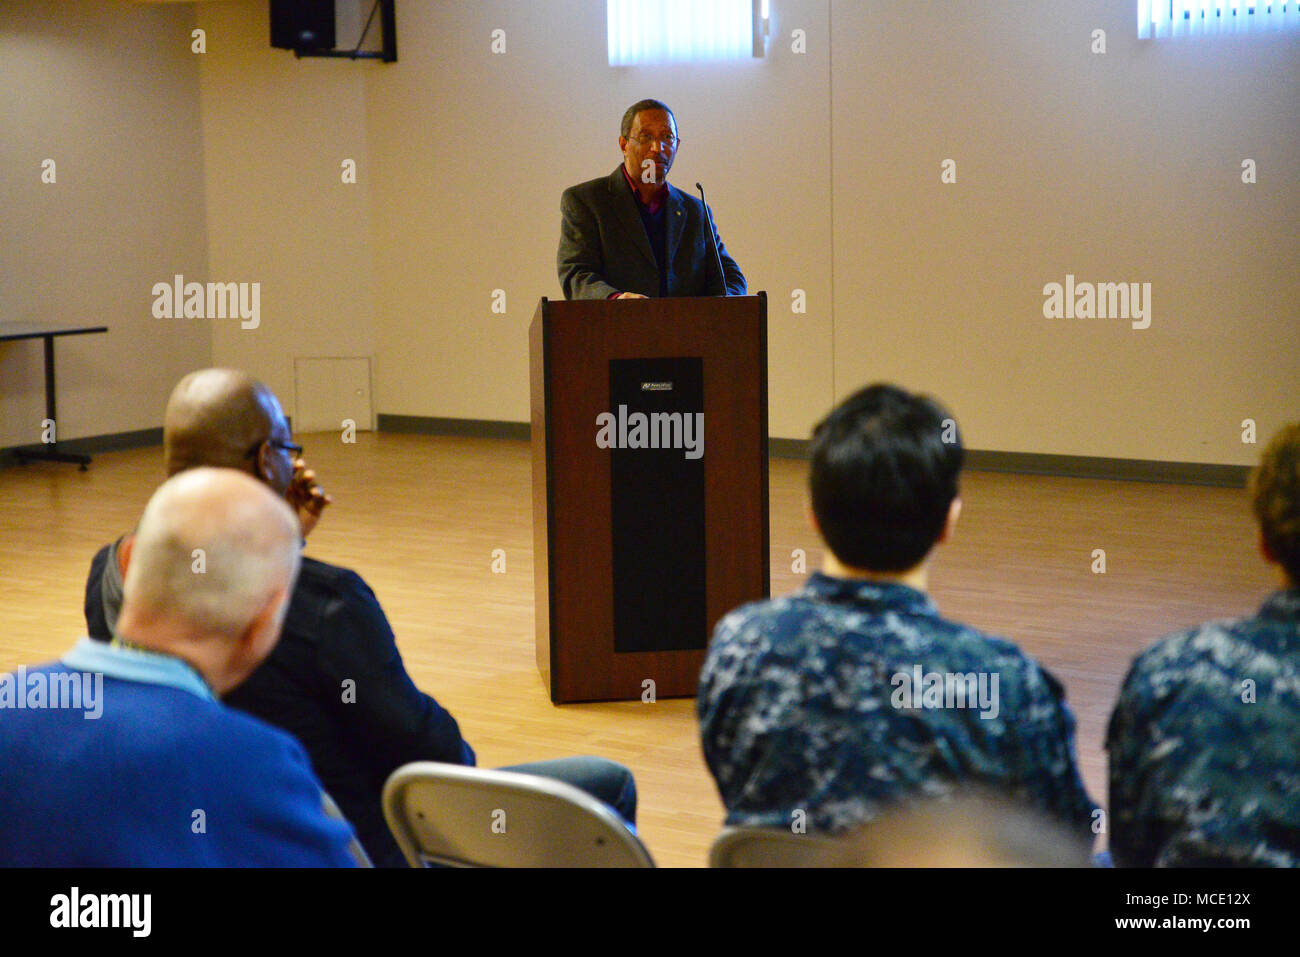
38,330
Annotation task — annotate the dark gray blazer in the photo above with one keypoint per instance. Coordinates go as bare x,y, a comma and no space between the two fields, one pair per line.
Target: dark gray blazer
604,248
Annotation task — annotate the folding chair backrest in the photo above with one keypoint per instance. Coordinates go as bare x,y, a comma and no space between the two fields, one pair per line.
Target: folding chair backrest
772,847
475,817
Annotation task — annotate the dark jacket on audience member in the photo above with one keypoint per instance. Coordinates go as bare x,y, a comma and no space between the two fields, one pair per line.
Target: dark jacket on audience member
1204,746
802,712
337,683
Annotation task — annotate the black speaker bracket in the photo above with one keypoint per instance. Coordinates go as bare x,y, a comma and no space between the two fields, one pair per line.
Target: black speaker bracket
388,51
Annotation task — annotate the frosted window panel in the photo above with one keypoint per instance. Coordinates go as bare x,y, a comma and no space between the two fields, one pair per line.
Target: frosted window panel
679,31
1182,18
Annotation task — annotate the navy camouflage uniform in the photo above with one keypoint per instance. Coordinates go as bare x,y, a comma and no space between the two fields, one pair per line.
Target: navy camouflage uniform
1204,746
797,712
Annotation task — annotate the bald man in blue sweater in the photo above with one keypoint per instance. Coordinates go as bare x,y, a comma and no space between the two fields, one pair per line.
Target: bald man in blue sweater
120,755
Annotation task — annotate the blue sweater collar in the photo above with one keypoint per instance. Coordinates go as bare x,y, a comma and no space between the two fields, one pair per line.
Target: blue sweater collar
136,664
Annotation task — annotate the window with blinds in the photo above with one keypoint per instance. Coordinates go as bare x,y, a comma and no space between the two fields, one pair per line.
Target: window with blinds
1174,18
684,31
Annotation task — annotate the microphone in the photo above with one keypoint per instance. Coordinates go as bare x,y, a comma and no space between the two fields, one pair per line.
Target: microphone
713,240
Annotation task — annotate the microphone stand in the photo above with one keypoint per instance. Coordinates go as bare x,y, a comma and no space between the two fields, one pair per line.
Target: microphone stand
713,240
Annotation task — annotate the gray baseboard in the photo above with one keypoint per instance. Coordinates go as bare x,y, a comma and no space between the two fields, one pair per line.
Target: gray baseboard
470,428
1073,466
1130,470
94,444
1022,463
787,448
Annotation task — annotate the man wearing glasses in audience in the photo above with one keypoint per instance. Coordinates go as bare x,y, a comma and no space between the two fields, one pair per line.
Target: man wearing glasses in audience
336,680
632,235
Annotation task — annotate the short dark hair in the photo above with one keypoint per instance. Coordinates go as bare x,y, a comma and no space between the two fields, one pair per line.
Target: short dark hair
1275,496
884,473
638,107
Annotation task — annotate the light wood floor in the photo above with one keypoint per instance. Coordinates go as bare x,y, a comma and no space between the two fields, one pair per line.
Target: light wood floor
419,517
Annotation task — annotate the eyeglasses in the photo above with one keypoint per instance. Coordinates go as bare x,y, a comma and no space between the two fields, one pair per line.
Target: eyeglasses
644,141
275,444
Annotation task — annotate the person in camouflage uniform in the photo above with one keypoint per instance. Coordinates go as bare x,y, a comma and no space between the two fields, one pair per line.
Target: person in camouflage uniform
1204,741
824,708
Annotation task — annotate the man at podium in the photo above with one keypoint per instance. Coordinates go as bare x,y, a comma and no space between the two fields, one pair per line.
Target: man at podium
632,235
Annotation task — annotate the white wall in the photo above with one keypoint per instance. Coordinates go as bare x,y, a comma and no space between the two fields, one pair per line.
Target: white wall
110,92
823,169
1123,166
276,130
472,150
1117,167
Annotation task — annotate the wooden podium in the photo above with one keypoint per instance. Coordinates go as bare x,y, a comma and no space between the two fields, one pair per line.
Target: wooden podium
650,517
